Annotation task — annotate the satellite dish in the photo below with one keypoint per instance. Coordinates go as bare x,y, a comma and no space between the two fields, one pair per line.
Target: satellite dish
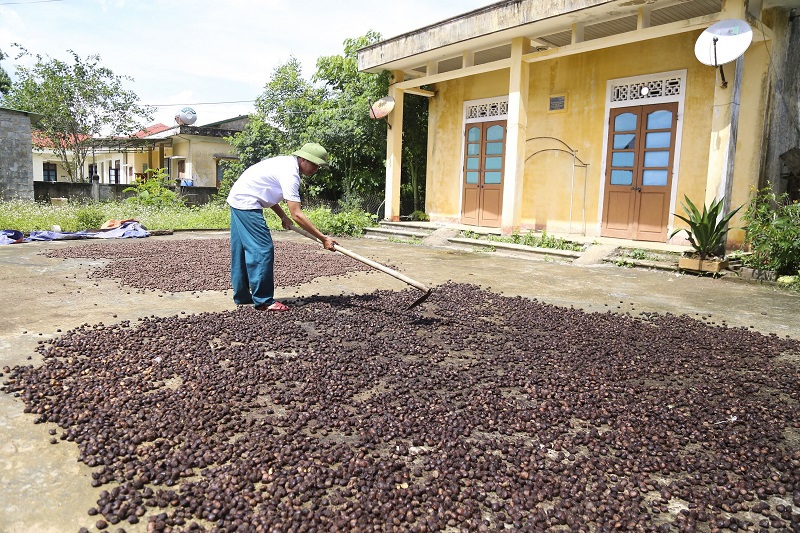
723,42
186,117
381,107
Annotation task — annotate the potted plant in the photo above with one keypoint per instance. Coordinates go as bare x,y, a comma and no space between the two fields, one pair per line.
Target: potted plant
707,232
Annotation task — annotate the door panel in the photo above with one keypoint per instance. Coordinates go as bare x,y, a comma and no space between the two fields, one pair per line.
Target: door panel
619,211
472,175
641,152
492,207
484,161
619,201
471,202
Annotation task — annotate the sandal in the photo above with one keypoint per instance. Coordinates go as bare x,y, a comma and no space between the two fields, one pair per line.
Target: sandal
275,306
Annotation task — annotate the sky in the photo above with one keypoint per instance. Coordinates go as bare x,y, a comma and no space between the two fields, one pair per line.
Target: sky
201,53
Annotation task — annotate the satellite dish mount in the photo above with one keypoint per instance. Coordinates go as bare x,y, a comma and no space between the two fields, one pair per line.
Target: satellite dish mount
723,42
381,109
724,83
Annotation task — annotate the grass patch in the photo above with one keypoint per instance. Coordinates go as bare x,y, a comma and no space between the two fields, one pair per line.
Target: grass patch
29,216
406,240
535,240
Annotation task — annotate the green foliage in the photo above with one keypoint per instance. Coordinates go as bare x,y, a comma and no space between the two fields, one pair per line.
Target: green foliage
772,225
421,216
331,109
342,123
28,216
89,216
345,223
79,101
5,81
350,222
279,124
530,239
639,254
707,230
153,190
415,147
414,241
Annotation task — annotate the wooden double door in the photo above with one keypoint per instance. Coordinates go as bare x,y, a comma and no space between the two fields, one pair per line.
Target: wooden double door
484,161
638,181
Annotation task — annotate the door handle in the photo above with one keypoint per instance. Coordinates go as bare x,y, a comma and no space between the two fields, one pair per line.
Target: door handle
639,189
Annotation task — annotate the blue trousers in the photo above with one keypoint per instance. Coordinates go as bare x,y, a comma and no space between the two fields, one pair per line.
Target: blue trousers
252,258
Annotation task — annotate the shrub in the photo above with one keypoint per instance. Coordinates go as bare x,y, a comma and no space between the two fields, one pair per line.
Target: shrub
531,239
707,230
345,223
153,190
772,232
89,216
420,216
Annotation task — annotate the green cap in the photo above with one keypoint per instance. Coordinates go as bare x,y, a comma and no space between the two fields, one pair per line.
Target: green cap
313,152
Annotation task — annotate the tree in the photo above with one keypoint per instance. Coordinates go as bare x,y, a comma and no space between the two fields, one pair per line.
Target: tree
279,124
415,146
79,102
287,103
5,81
333,109
343,125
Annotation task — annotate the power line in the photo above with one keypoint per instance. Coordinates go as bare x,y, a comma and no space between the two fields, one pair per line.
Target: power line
205,103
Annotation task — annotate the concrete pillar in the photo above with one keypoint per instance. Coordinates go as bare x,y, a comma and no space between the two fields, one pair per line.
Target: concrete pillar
516,133
643,17
577,32
95,188
394,150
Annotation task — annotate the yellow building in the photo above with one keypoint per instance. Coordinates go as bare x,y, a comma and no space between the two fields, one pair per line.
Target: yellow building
589,116
192,155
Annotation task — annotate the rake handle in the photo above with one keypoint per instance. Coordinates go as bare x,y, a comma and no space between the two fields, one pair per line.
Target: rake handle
368,262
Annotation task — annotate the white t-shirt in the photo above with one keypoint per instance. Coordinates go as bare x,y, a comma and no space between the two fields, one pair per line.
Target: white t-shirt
266,184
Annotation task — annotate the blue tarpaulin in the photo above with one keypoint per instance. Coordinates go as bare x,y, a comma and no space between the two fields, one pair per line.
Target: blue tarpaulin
129,229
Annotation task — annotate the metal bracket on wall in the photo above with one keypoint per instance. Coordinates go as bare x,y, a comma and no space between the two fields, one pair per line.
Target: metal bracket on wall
576,163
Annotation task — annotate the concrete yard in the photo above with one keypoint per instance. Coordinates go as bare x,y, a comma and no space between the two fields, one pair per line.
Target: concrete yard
44,488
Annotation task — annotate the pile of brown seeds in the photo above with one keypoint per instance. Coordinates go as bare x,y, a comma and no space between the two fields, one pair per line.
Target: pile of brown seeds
202,264
474,412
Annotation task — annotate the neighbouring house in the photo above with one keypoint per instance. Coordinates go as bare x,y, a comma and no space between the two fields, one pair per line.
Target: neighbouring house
592,116
192,155
16,163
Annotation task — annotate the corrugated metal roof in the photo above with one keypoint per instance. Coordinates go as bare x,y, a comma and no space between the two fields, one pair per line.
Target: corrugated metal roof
609,27
686,10
447,65
561,38
493,54
658,17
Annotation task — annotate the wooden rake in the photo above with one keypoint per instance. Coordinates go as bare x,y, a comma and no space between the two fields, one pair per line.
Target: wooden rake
373,264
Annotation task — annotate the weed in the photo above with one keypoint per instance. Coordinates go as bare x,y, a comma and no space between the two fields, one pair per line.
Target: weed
639,254
530,239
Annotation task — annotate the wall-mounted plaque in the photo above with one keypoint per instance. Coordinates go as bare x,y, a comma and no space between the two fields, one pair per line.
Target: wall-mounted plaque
558,102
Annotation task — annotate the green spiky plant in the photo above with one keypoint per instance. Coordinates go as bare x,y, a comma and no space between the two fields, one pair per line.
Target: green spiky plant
707,230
